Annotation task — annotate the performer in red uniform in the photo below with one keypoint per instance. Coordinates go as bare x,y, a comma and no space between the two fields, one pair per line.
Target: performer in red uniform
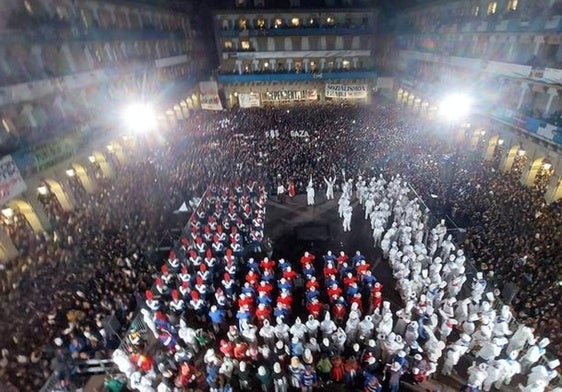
291,188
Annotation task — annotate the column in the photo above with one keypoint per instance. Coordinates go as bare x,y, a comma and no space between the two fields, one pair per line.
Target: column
305,63
36,53
530,171
289,64
524,88
68,57
338,63
272,65
322,64
539,40
238,66
491,147
554,189
507,159
552,93
255,65
354,61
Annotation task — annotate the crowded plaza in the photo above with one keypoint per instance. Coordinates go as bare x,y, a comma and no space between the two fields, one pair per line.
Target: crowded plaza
221,310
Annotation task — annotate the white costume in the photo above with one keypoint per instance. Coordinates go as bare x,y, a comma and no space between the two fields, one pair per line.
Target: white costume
347,214
310,193
298,330
312,326
330,187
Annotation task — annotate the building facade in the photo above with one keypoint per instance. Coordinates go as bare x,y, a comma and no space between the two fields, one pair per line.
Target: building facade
507,54
65,69
282,55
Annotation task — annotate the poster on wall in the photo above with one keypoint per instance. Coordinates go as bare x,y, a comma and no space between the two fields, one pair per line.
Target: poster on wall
249,100
11,182
290,95
209,97
346,91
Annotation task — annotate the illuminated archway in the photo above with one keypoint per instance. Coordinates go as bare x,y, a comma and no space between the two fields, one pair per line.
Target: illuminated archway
84,178
491,147
554,189
509,157
25,209
533,169
100,165
56,189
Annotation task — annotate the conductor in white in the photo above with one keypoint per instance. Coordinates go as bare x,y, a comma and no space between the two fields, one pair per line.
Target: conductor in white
310,193
330,182
347,213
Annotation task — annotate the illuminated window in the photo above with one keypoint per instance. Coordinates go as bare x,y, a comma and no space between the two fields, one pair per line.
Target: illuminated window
260,23
492,7
345,64
512,5
329,21
278,23
228,45
312,22
28,6
6,126
245,45
475,10
242,24
295,22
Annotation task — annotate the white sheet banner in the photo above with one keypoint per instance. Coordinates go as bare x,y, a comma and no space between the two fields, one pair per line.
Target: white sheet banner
209,97
11,183
290,95
249,100
346,91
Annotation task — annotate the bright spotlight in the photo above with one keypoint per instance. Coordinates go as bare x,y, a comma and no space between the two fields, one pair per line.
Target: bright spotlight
8,212
139,117
92,159
70,172
43,190
455,106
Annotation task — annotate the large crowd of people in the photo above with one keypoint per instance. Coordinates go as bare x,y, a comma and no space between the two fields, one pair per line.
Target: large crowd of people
99,257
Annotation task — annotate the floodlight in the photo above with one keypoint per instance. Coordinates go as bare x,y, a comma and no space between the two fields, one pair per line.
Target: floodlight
92,159
546,166
521,152
139,117
8,212
500,142
43,190
70,172
455,106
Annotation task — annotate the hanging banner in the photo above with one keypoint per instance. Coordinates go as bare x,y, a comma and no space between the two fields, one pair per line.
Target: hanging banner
249,100
11,183
290,95
209,96
346,91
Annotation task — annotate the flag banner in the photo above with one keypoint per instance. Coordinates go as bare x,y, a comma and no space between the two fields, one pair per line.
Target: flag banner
346,91
11,182
209,97
290,95
249,100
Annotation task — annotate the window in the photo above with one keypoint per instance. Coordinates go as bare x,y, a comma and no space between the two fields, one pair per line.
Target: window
312,22
330,21
278,23
260,23
242,23
492,7
476,11
6,126
345,64
245,45
512,5
295,22
228,45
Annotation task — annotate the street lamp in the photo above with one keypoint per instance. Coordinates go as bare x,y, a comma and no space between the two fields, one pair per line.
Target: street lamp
139,117
455,107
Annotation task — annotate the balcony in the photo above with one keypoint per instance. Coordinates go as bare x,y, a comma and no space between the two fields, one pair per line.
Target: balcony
549,129
297,31
297,77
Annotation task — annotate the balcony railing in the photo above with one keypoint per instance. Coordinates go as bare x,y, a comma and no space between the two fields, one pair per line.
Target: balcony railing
285,76
298,31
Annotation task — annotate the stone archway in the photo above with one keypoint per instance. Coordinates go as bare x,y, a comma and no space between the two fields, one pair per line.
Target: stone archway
56,189
84,178
26,209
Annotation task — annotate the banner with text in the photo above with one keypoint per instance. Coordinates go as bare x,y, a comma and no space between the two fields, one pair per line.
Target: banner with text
11,183
346,91
209,97
290,95
249,100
